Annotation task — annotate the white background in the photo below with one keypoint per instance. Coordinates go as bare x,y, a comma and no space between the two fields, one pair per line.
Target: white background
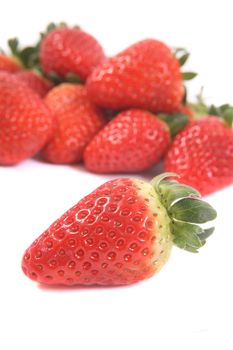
188,305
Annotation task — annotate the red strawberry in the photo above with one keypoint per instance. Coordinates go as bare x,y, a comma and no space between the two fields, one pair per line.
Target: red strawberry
78,121
35,81
133,141
146,75
119,234
25,122
70,50
8,64
202,154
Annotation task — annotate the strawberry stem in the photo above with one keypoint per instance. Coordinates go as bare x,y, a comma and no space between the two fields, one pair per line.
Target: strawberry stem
186,210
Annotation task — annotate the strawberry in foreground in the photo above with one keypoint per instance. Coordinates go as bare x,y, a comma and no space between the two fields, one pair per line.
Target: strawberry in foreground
119,234
146,75
202,153
66,50
133,141
78,121
26,124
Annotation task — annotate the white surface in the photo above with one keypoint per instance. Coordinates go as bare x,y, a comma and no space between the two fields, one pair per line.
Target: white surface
188,305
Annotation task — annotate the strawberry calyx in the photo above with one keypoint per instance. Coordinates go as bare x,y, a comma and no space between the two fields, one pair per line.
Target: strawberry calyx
224,111
28,56
69,78
182,56
175,122
186,210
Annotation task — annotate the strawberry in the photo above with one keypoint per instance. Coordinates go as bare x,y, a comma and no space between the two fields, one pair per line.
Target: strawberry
70,50
8,64
78,121
146,75
119,234
202,154
35,81
133,141
25,121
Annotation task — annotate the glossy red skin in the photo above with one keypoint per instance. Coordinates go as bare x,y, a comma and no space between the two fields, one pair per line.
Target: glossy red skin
202,154
70,50
8,64
78,121
35,82
25,122
107,238
146,75
133,141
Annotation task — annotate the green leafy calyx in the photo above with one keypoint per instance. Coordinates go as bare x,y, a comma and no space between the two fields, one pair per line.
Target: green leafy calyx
186,210
176,122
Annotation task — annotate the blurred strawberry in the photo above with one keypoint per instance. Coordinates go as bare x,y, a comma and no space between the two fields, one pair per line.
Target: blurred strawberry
78,121
9,64
25,122
202,153
35,81
133,141
66,50
146,75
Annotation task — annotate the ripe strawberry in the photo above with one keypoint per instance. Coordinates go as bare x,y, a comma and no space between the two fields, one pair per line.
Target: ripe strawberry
119,234
8,64
35,81
133,141
202,154
70,50
146,75
78,121
25,122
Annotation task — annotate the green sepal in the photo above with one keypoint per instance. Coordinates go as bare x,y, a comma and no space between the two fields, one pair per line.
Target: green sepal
69,78
228,116
13,44
170,192
188,75
176,122
73,78
186,236
206,233
181,54
192,210
156,181
185,96
28,56
183,59
224,111
54,77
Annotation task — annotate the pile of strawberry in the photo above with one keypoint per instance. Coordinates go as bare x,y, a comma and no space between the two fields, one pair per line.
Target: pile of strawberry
65,101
